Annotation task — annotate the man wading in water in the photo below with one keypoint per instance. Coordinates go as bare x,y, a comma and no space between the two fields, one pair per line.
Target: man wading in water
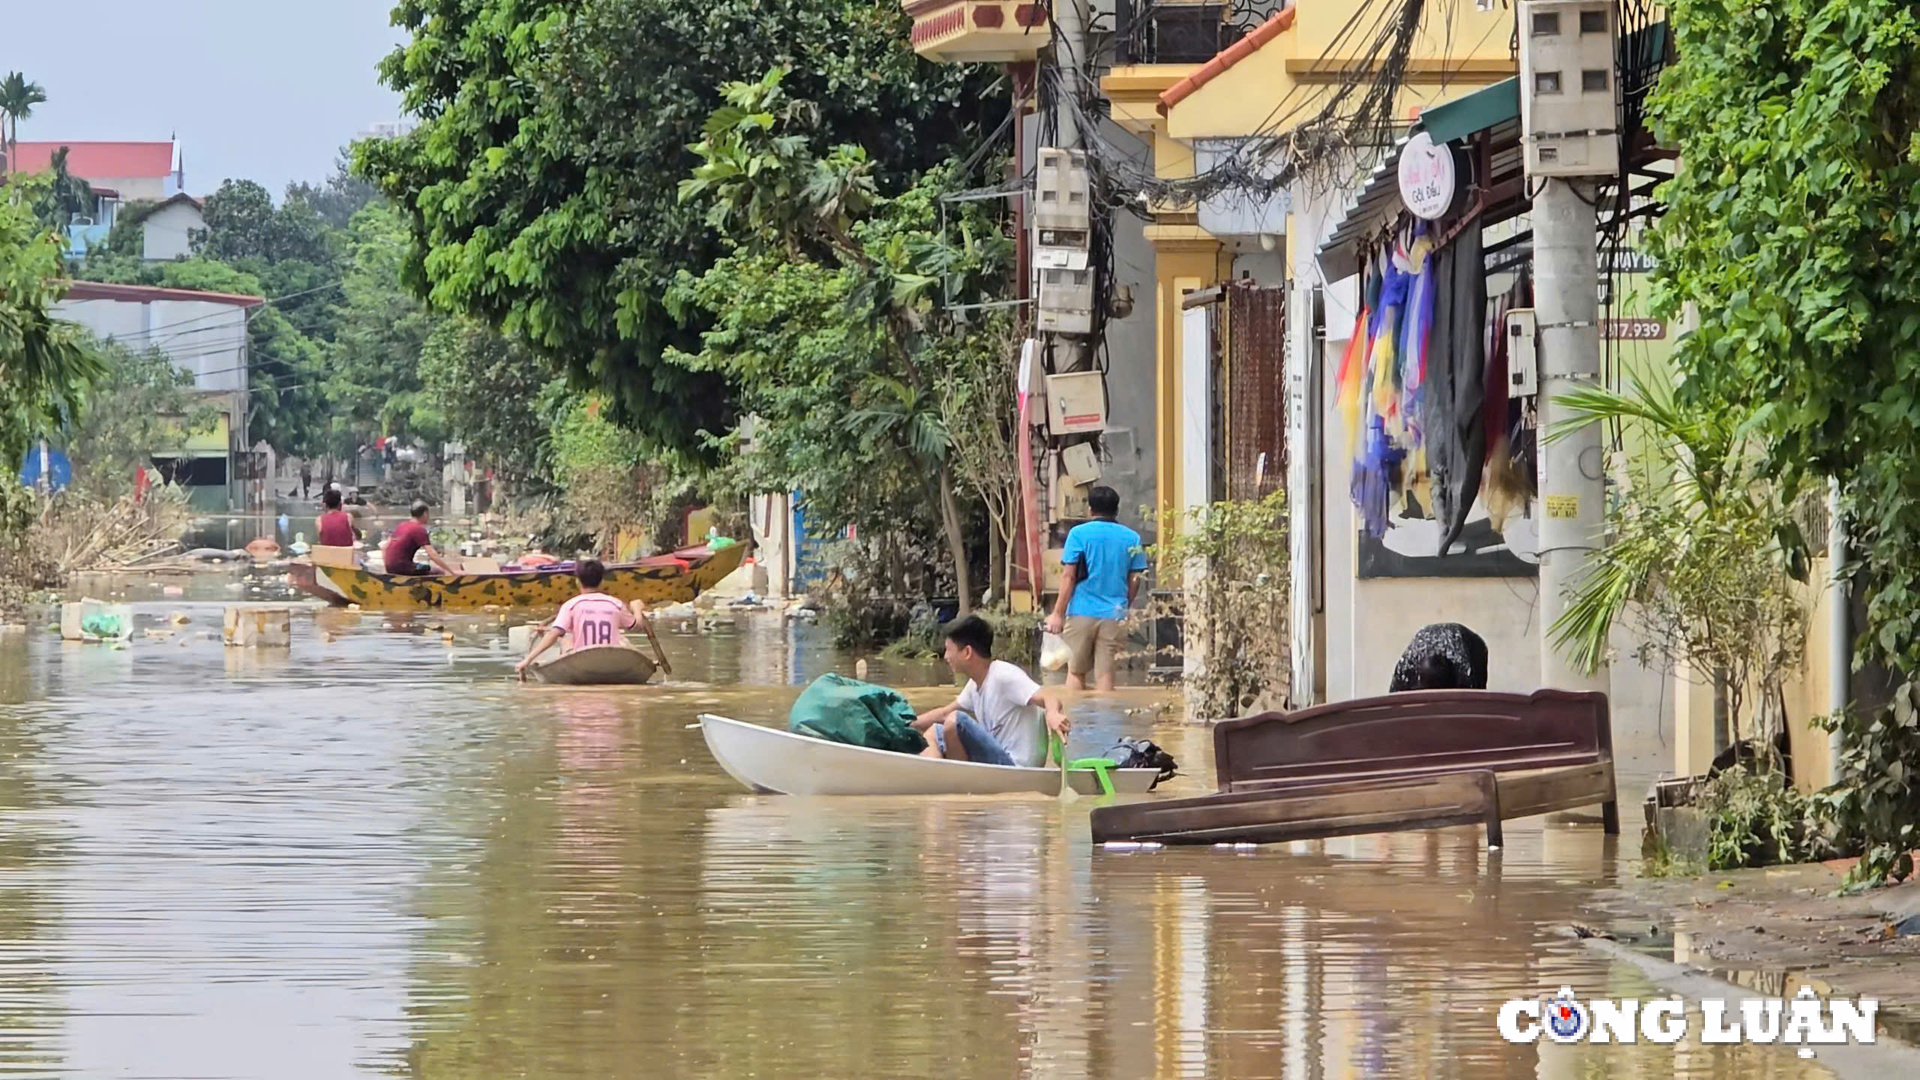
1101,571
997,719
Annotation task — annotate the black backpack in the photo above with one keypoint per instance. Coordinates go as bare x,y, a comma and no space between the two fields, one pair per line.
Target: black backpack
1143,754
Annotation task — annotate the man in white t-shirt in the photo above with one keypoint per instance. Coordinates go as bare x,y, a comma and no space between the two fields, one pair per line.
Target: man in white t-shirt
1002,717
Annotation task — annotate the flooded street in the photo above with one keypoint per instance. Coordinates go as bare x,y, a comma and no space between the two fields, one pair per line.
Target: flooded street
374,854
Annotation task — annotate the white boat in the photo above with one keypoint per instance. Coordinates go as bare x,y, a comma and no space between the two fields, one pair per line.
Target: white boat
782,763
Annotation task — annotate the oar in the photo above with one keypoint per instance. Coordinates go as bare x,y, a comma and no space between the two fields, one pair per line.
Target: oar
658,652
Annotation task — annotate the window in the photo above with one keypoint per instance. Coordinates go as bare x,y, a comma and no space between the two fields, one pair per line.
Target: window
1593,81
1546,82
1592,21
1547,23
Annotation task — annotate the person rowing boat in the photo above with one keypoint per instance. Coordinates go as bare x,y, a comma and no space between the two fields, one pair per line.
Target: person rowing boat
590,619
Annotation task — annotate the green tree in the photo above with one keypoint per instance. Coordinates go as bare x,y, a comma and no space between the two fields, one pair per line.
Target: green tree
244,227
497,396
64,197
772,193
45,370
17,99
337,198
1794,231
141,402
373,362
541,183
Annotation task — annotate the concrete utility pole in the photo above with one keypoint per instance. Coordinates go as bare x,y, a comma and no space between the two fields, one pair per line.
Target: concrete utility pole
1572,469
1569,137
1073,352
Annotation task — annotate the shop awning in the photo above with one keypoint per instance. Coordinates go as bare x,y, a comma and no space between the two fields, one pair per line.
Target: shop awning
1489,119
1379,197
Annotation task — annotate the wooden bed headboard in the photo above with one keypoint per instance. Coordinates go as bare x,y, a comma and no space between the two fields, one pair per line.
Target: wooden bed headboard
1411,733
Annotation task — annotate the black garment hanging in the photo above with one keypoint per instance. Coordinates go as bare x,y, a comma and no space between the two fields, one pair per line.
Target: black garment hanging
1456,381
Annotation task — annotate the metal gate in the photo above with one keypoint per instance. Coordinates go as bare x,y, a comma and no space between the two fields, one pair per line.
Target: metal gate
1253,436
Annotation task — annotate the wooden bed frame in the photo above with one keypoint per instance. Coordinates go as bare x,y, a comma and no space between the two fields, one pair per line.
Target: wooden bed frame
1416,760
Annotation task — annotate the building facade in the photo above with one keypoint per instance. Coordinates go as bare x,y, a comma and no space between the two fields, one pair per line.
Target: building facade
205,335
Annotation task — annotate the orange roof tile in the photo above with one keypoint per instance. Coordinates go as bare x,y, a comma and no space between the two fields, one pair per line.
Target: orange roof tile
102,159
1228,57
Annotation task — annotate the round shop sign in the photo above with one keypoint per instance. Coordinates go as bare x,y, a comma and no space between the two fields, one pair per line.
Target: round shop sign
1426,177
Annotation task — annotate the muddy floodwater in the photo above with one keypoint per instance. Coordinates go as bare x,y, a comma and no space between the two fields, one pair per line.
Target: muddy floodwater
373,854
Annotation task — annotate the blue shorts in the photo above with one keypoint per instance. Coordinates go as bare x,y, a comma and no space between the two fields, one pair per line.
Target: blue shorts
975,739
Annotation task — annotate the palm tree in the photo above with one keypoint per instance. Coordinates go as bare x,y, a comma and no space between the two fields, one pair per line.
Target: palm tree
1702,545
17,99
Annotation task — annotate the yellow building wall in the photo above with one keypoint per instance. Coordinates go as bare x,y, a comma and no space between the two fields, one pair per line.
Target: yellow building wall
1286,81
1472,34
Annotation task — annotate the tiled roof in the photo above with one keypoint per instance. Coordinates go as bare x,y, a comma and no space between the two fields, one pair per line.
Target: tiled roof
1228,57
103,159
143,294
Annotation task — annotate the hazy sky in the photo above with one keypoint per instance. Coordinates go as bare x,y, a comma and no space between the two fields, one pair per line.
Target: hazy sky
268,90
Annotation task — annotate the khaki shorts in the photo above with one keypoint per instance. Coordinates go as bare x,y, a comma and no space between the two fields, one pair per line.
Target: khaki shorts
1092,643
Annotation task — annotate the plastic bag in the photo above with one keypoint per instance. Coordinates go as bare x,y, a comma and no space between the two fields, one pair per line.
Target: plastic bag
1054,653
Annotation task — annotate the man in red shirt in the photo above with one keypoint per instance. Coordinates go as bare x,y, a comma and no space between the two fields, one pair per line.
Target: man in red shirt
589,619
336,525
411,539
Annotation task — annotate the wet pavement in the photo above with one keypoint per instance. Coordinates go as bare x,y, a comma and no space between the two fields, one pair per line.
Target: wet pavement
373,853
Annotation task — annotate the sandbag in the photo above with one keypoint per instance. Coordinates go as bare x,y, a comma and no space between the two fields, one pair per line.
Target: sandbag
838,709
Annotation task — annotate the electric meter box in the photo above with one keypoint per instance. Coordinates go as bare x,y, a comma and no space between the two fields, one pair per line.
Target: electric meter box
1071,502
1569,107
1066,301
1523,354
1078,464
1076,403
1061,194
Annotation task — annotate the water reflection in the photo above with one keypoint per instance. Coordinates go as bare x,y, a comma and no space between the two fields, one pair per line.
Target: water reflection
374,852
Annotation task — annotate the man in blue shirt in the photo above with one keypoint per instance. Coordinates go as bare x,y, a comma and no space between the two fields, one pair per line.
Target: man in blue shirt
1101,568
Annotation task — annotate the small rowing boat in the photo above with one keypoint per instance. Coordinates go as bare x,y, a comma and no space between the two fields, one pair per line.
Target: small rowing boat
663,579
781,763
595,665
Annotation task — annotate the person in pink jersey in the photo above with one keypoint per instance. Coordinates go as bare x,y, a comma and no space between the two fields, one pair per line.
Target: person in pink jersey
589,619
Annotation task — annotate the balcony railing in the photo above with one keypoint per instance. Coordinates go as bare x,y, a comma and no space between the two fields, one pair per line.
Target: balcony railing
1183,31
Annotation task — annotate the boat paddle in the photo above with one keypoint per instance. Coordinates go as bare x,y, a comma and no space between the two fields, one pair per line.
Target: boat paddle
659,653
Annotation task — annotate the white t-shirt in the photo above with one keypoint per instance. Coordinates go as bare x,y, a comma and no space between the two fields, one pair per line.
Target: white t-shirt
1002,708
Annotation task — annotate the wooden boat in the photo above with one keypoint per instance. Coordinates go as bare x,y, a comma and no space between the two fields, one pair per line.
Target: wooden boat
782,763
662,579
595,665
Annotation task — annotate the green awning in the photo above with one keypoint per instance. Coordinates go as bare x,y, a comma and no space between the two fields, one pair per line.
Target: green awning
1477,111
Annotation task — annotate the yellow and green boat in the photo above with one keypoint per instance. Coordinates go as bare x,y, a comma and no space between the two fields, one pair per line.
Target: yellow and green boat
673,578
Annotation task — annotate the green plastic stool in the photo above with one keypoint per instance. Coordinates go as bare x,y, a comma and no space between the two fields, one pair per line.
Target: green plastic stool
1096,765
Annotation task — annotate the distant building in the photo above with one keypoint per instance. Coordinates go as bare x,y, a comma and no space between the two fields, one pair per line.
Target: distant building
119,173
205,334
388,129
168,227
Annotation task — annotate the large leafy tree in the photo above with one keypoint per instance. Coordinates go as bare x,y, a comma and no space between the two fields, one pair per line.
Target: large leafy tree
541,183
1794,230
373,361
871,282
45,370
497,397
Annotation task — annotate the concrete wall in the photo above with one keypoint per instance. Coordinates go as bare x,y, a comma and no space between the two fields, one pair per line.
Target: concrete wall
1133,468
204,338
169,232
135,188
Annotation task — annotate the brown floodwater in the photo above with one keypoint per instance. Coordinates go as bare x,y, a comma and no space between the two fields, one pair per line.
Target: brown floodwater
373,853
